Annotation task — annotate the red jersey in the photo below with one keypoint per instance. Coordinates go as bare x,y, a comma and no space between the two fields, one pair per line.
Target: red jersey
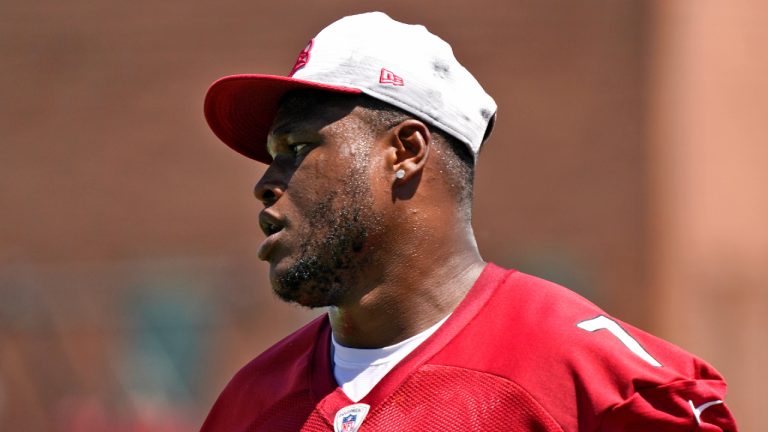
518,354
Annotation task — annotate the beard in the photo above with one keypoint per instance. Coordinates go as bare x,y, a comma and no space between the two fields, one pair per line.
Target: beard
331,255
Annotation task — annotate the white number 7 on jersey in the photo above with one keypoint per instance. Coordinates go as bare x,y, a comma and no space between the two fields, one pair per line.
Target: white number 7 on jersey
603,322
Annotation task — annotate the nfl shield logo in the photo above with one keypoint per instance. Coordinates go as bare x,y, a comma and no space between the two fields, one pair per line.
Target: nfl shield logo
349,418
348,422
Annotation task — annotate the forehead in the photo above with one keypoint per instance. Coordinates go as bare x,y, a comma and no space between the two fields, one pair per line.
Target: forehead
311,110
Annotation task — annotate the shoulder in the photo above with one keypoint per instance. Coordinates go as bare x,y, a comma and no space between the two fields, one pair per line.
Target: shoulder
283,362
276,374
587,339
290,349
581,363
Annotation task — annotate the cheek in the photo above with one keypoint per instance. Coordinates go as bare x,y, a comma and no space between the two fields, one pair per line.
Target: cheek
312,183
381,179
381,192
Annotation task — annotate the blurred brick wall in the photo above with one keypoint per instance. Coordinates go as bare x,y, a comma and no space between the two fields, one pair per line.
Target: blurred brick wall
709,151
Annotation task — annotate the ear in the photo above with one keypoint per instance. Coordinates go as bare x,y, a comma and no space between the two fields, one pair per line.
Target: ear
411,140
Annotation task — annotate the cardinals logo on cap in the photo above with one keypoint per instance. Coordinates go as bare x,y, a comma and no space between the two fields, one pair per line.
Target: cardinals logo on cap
303,58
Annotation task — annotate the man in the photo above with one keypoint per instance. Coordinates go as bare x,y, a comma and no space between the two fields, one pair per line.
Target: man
371,144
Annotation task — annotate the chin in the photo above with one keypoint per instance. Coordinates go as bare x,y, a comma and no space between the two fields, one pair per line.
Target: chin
295,284
309,298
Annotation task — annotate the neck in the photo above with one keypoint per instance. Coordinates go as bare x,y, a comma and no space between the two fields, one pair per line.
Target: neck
415,289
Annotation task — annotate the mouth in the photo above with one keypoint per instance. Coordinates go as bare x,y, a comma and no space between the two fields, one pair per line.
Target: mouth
271,226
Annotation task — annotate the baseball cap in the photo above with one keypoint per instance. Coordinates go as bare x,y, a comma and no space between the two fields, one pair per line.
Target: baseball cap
400,64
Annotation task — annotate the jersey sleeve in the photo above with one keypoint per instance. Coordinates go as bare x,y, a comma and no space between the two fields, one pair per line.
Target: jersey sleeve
647,384
684,405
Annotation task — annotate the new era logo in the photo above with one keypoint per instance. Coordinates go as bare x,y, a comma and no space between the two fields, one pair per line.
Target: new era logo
388,77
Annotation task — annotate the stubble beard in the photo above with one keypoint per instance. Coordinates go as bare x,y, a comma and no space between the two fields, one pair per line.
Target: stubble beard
331,258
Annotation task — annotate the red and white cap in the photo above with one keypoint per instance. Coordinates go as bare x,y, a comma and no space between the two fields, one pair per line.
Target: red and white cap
401,64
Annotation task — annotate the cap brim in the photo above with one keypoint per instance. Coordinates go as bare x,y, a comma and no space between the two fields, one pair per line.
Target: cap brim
240,109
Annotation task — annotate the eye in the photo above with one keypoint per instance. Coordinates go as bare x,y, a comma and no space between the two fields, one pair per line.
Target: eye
299,148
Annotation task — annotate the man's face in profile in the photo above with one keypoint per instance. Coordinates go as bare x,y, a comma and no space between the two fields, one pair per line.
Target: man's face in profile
318,201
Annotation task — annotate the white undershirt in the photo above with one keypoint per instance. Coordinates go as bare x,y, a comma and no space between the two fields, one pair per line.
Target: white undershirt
357,371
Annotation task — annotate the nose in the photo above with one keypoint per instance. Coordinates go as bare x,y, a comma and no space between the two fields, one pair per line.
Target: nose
268,190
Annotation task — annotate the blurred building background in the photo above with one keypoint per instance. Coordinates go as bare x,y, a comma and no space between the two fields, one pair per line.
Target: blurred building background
628,163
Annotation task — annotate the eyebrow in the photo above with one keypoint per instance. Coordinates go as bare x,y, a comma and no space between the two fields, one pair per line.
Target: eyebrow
289,128
292,124
283,129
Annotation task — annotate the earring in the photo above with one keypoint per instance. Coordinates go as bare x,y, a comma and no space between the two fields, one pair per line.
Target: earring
400,173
